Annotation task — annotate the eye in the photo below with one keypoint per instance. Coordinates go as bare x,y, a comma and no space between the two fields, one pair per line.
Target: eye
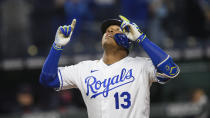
118,29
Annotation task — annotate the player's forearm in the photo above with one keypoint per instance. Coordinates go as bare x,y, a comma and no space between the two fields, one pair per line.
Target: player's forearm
161,60
49,75
155,52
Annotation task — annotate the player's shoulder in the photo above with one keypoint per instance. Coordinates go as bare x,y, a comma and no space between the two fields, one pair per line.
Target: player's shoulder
87,63
142,62
83,65
139,59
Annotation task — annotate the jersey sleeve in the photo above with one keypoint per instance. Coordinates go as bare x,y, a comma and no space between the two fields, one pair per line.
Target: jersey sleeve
150,70
152,73
69,76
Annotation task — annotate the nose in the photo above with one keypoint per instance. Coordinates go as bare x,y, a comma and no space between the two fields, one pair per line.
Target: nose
110,31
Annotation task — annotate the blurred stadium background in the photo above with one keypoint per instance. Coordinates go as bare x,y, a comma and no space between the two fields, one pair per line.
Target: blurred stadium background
27,30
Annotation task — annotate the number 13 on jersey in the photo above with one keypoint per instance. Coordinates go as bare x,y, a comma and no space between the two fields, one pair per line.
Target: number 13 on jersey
125,96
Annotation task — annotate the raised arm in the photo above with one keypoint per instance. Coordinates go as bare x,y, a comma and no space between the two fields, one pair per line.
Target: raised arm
166,68
49,74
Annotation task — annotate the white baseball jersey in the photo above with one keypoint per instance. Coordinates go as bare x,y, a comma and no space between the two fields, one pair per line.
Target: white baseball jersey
120,90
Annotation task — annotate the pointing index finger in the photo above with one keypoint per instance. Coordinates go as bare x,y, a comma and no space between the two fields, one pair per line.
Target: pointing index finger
73,24
123,18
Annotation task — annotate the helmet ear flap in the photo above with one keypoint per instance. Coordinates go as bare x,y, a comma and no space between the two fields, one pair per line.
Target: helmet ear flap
122,40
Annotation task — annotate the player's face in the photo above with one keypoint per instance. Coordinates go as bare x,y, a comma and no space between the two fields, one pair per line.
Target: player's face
108,37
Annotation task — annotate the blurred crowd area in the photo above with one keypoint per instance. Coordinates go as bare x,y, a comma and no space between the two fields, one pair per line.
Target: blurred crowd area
28,27
27,31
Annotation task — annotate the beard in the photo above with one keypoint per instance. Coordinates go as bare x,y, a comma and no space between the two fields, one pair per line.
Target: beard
109,44
112,46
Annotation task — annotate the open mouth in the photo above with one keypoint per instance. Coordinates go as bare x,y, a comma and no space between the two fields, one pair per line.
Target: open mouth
108,36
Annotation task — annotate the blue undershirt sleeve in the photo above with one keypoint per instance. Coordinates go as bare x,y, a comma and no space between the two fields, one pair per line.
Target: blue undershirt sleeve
49,74
166,68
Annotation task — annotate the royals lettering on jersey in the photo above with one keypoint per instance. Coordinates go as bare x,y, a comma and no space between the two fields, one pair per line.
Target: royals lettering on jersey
97,87
123,86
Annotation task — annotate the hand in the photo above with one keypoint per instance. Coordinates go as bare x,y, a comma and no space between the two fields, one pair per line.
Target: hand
130,29
63,34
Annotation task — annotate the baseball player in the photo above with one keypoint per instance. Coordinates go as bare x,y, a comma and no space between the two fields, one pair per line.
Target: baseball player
115,86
